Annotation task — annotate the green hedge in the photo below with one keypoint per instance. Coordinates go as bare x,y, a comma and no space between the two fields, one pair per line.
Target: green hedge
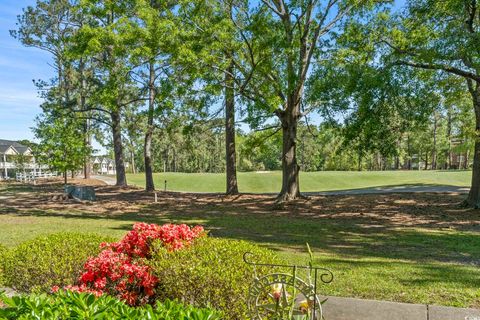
210,273
56,259
70,305
3,257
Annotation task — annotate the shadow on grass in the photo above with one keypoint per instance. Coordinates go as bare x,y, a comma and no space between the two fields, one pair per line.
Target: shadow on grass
407,274
378,246
420,227
350,237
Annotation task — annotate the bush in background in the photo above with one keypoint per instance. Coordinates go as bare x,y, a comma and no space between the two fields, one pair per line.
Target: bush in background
3,256
56,259
74,305
210,273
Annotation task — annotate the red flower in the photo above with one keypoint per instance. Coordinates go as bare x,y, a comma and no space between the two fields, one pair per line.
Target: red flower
119,269
88,277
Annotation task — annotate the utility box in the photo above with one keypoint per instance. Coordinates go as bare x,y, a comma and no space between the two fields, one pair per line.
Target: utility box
81,192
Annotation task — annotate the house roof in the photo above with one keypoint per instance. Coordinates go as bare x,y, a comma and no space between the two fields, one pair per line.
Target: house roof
6,144
21,149
4,148
103,159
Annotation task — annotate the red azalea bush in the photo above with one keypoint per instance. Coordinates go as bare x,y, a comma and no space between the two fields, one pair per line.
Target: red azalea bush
137,242
120,269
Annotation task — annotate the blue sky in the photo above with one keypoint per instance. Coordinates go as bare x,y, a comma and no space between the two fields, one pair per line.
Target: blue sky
19,102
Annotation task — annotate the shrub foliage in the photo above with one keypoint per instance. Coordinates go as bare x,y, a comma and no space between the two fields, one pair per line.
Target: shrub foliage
210,273
72,305
151,263
3,257
56,259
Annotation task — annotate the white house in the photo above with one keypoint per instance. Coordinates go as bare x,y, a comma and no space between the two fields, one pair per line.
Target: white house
103,165
9,164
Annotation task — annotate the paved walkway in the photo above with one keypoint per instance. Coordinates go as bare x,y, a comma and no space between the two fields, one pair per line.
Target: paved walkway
337,308
395,189
108,180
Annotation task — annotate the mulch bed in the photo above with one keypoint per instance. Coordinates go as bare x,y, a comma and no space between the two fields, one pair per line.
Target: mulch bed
406,209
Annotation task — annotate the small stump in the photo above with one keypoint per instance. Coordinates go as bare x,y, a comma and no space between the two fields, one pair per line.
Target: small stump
81,192
60,198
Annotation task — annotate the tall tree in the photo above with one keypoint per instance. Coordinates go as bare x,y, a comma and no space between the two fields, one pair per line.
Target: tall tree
48,26
230,149
212,40
104,39
154,39
282,39
60,144
442,36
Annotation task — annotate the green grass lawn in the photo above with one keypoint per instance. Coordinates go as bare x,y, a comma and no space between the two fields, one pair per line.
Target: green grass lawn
371,257
260,182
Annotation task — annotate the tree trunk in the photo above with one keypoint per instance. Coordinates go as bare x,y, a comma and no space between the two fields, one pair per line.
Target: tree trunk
65,177
473,199
397,156
290,169
174,160
409,154
132,160
149,184
118,149
434,152
165,161
230,152
359,168
87,169
449,138
86,124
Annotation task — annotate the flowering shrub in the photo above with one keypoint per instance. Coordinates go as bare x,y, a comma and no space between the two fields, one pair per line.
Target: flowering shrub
116,274
137,242
121,270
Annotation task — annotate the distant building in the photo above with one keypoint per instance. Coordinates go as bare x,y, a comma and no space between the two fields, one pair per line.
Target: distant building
15,157
104,165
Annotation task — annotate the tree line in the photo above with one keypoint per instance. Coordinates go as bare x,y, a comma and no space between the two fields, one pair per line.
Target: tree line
391,85
444,141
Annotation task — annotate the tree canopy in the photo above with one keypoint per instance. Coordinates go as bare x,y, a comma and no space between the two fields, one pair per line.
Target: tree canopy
210,85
